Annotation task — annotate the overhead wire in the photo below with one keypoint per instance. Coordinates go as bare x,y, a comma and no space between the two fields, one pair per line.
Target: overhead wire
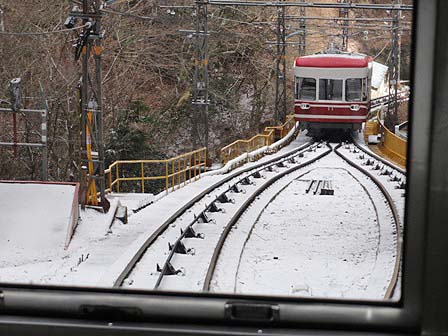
45,32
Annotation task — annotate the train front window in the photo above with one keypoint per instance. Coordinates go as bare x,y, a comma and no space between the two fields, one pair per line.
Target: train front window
330,89
355,89
306,88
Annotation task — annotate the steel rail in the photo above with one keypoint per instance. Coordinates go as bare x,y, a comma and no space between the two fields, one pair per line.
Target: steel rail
162,228
242,209
379,158
394,279
195,221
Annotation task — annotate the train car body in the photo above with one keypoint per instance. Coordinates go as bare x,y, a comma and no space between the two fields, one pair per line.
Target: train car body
332,91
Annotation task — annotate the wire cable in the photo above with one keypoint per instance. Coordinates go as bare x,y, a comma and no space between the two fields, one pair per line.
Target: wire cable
44,33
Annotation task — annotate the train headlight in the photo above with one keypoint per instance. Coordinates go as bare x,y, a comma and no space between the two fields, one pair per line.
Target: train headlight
304,106
355,107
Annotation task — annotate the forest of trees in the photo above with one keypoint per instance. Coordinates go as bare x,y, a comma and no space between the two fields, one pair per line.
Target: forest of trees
147,77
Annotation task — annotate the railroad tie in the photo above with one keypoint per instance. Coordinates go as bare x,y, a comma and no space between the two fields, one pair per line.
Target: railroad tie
168,270
234,188
246,181
190,233
223,198
214,208
202,218
178,247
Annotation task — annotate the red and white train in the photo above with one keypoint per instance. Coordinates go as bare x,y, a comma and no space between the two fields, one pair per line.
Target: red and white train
332,91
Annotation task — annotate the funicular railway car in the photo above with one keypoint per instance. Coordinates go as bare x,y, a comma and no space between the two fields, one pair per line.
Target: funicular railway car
332,91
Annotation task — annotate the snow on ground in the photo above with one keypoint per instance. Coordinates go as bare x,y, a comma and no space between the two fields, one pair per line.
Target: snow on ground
321,246
194,266
97,253
34,221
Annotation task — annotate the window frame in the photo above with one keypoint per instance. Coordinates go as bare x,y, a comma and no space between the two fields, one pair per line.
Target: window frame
342,90
363,90
34,308
298,90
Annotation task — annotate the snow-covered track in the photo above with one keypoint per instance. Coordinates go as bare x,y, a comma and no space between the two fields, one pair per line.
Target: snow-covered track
257,254
246,191
118,282
377,157
243,208
391,202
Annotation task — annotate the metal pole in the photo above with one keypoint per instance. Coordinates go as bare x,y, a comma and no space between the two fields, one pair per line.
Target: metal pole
344,14
280,67
394,71
201,78
92,146
302,27
99,99
44,135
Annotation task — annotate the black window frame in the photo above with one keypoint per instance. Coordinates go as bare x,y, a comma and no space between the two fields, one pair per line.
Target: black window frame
299,89
327,81
363,95
37,310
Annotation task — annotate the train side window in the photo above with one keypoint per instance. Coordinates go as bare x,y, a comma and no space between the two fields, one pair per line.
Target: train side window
306,88
354,89
330,89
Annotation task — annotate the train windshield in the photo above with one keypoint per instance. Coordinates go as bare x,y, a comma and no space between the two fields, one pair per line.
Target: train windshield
355,89
330,89
306,88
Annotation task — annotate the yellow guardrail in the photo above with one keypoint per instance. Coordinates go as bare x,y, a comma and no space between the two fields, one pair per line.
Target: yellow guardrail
270,135
159,174
393,145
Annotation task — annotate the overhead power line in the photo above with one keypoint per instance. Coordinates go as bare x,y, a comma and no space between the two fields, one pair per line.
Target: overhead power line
45,32
393,7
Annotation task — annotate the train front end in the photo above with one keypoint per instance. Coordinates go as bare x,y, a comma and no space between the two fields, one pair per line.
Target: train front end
332,91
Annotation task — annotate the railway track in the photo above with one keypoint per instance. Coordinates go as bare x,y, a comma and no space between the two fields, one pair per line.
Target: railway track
361,162
204,202
202,227
392,186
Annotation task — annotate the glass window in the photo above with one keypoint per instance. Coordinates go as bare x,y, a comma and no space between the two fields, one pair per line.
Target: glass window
330,89
354,89
306,88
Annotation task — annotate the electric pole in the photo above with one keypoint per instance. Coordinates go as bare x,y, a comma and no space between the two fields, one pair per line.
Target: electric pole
90,47
280,67
302,35
200,99
394,70
344,14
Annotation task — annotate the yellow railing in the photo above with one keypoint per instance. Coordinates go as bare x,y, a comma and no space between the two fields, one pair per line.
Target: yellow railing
393,145
270,135
163,174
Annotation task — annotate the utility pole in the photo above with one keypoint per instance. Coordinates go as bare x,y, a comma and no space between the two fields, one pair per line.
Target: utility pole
344,14
394,70
302,35
92,147
280,67
200,99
